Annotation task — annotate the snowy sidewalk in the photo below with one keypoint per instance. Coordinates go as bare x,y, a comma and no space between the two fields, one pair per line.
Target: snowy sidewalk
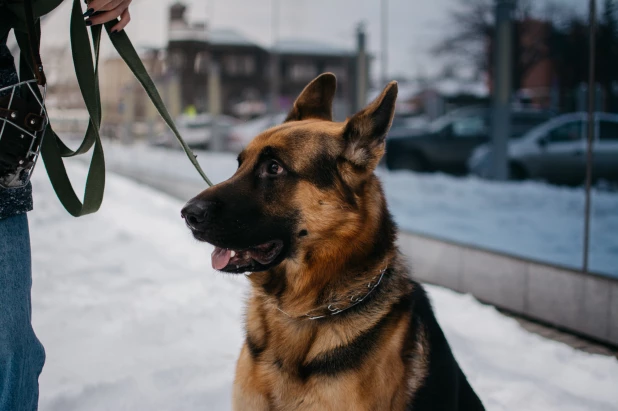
133,318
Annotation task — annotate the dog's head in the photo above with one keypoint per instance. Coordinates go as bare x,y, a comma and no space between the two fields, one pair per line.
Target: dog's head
298,191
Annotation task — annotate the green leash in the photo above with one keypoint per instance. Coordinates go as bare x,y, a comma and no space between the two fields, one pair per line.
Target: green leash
53,150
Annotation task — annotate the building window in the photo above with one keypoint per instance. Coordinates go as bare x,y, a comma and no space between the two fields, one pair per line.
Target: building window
231,65
338,70
240,65
234,65
249,65
177,59
201,63
303,71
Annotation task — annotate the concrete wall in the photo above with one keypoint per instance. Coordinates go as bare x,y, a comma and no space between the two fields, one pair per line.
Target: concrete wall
586,304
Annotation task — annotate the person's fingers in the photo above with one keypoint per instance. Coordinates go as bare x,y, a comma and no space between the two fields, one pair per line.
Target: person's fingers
125,18
106,16
101,5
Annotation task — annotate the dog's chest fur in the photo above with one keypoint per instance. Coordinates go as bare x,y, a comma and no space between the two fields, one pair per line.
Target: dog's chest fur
353,364
306,215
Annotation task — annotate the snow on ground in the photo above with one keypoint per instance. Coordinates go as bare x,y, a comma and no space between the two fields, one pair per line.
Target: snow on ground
130,315
530,219
527,219
133,318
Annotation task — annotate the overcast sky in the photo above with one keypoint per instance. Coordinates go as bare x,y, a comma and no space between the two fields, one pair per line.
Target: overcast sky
414,25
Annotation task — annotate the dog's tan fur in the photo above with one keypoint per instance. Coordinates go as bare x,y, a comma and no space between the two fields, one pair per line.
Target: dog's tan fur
386,352
328,258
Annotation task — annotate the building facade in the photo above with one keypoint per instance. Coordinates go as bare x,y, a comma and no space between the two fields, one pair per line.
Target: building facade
245,69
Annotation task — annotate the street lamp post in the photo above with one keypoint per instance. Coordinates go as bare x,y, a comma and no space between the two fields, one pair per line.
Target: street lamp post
361,67
591,109
217,142
384,38
274,62
501,116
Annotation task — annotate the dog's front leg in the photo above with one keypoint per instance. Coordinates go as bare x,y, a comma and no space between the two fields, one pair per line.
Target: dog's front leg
249,392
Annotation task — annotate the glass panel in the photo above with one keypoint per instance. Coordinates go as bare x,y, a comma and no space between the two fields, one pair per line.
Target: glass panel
568,132
608,130
469,127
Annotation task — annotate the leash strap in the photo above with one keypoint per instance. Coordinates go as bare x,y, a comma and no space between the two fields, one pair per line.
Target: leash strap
53,150
125,49
34,37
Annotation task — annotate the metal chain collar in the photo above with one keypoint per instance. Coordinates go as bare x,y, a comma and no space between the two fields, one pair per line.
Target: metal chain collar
335,308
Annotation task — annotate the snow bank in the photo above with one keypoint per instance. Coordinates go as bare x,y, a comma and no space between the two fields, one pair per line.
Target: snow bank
133,318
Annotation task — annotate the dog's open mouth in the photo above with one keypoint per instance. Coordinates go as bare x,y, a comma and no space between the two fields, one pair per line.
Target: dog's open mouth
236,260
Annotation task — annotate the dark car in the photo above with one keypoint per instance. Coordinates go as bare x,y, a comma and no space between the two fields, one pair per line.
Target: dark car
448,142
556,151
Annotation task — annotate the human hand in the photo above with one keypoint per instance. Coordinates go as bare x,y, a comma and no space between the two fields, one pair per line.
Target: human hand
102,11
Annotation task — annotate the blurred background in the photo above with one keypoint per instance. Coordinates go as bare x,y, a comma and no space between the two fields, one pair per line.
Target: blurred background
501,167
495,90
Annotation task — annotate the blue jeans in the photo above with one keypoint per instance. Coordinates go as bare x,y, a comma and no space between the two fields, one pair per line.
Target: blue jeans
21,354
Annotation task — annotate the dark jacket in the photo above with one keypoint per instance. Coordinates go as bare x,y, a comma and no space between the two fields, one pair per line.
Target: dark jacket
16,200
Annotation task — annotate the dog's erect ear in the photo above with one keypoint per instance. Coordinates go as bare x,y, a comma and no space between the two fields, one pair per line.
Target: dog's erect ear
316,100
365,132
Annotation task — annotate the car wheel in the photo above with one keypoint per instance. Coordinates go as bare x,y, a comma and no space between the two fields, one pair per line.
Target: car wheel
517,172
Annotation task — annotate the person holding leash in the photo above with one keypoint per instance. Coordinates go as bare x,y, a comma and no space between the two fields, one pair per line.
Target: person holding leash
21,354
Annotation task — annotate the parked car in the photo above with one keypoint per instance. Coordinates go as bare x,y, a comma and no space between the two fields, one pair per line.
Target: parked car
449,140
242,133
414,123
556,151
196,130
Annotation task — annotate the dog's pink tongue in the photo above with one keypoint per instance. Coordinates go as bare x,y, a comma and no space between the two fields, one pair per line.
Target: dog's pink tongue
220,258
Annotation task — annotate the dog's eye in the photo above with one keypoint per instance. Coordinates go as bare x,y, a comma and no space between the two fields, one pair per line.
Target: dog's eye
273,168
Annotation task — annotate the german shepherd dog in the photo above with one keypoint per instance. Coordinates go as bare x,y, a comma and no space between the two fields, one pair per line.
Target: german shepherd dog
334,320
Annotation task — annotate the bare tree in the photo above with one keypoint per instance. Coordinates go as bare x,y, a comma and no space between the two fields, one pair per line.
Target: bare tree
471,25
568,46
470,40
541,30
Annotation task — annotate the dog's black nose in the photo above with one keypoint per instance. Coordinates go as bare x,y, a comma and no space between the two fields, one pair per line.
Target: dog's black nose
196,211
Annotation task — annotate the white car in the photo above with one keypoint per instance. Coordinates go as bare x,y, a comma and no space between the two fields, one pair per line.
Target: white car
242,133
556,151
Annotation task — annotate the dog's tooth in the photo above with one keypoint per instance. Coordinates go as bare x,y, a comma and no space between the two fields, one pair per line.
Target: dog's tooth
233,253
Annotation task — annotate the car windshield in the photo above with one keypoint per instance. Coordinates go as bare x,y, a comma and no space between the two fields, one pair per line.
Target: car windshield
441,122
521,123
543,128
